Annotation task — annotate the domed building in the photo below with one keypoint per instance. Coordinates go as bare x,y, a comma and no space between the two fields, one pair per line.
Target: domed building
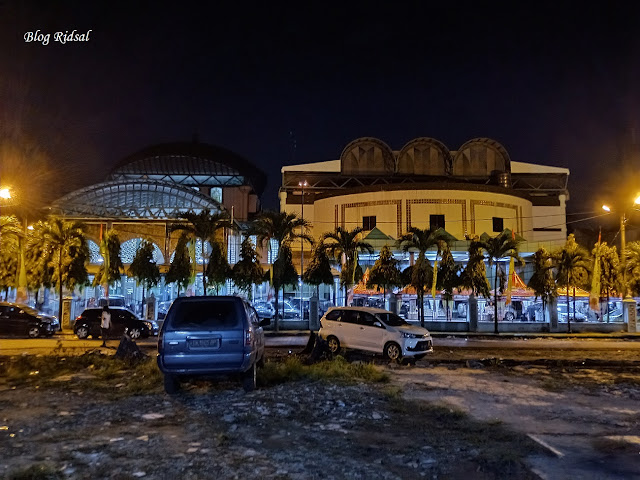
148,191
474,190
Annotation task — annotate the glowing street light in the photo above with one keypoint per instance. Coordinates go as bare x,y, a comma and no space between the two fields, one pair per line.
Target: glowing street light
302,184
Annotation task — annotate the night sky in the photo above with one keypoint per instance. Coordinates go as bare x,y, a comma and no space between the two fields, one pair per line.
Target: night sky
555,82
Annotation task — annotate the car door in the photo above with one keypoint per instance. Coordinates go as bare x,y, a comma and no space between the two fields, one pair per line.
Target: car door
17,321
348,330
370,336
119,321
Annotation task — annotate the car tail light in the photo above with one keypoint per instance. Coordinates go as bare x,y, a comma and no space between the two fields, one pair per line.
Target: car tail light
248,337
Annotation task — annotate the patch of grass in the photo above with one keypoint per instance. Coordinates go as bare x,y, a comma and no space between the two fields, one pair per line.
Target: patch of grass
292,369
102,372
35,472
553,385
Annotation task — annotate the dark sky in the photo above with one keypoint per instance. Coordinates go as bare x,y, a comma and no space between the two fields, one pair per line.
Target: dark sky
555,82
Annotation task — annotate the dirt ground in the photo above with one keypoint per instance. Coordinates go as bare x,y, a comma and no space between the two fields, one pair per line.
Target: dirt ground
583,422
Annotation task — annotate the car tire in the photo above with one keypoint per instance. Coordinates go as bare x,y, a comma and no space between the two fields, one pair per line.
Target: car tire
82,332
393,351
135,333
249,379
33,332
509,316
334,345
171,384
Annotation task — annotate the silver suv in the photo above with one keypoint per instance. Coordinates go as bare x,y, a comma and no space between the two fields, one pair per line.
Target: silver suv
210,336
374,330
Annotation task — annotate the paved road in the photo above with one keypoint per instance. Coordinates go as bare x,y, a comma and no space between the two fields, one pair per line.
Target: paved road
70,343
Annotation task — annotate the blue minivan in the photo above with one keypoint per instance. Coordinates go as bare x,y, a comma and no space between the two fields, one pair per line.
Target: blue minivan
207,337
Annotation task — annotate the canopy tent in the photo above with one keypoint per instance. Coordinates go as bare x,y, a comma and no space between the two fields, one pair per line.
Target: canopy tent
519,288
562,291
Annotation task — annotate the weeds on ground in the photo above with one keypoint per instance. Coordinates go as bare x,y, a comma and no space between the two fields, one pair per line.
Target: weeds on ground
35,472
292,369
614,446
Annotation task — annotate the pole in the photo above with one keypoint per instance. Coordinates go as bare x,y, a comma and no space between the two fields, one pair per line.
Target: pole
623,245
302,250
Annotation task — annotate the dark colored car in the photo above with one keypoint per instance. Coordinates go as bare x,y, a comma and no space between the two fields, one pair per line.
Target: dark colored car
88,323
264,309
18,319
207,337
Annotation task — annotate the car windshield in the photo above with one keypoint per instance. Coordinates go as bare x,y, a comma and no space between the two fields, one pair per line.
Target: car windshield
391,319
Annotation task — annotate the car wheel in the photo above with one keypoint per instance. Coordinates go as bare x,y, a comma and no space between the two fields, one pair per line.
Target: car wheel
34,332
334,345
509,316
171,384
82,332
393,351
249,379
135,333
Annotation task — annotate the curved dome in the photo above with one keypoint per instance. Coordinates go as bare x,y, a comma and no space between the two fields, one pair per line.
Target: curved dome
192,164
424,156
134,199
481,157
367,156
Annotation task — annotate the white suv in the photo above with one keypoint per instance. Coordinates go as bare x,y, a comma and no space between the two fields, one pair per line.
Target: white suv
374,330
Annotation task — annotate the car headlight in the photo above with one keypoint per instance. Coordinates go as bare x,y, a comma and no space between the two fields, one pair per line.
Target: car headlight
149,325
410,335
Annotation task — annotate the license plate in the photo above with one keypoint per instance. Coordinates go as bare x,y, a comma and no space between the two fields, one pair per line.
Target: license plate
204,343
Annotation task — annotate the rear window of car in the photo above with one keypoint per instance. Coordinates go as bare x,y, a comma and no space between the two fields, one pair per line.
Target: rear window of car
211,315
333,315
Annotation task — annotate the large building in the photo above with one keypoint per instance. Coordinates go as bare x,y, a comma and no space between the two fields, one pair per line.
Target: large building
469,191
150,190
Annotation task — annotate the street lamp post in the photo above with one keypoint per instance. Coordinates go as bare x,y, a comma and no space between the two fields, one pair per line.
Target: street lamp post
628,303
302,185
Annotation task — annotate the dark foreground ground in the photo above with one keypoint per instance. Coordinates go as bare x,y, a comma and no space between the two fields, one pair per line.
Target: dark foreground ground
108,420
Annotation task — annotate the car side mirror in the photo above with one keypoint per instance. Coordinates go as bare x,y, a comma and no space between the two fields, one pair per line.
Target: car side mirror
378,324
265,322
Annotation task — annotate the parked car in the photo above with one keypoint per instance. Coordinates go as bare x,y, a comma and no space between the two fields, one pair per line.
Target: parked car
290,312
575,316
374,330
264,309
88,324
205,337
18,319
112,301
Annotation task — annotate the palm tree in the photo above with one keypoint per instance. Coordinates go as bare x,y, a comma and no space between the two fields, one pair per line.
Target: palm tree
218,270
204,226
144,268
284,228
61,240
385,272
10,235
502,246
344,245
247,271
111,268
180,268
573,265
542,281
421,273
318,271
